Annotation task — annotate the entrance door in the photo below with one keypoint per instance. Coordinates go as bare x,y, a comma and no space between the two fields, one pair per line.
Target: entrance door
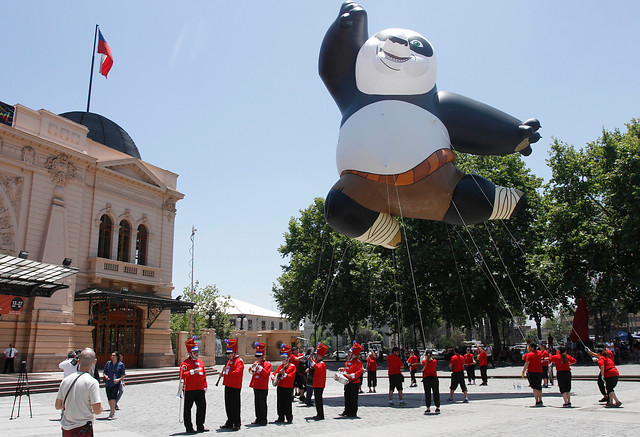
118,328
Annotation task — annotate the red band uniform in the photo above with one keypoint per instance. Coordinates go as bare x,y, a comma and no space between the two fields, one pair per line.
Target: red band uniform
353,371
260,371
232,381
194,378
287,373
319,379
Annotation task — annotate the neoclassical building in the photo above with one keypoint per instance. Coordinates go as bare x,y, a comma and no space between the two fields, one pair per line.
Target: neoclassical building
73,186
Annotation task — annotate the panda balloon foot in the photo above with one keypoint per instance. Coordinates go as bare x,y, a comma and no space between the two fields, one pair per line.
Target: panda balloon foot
384,232
506,203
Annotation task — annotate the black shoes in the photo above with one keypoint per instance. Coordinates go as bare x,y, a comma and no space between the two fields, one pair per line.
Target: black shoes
191,431
203,429
318,418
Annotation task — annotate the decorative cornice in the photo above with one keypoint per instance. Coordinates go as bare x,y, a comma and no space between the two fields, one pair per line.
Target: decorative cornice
61,169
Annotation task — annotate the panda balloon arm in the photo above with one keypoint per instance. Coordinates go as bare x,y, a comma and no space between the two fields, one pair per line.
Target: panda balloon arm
339,50
480,129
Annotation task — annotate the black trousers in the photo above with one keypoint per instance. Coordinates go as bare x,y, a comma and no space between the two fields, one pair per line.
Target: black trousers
483,374
431,384
372,378
601,386
284,398
317,392
232,405
351,399
197,397
413,376
471,372
8,363
564,381
260,403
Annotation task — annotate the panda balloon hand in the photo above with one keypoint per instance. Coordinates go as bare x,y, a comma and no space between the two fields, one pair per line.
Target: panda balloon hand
529,135
348,11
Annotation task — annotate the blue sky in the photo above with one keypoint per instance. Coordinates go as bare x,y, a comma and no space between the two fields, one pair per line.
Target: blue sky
227,95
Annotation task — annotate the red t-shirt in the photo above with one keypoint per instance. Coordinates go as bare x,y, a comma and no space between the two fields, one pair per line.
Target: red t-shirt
545,354
372,364
535,361
482,358
413,362
610,368
319,375
429,368
260,379
394,363
557,360
457,363
468,358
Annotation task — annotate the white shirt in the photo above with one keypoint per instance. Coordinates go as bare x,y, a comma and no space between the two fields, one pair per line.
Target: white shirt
84,393
10,352
69,369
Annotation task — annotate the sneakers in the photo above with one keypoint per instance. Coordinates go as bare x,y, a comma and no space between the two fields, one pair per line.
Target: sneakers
402,403
545,386
437,410
567,405
391,404
466,400
427,411
450,400
539,404
604,399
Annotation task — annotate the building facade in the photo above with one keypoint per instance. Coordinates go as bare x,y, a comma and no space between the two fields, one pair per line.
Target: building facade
74,186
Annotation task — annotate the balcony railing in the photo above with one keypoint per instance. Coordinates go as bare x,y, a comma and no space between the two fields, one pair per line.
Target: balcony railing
122,271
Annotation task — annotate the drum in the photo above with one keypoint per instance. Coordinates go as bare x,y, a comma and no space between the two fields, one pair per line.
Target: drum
341,378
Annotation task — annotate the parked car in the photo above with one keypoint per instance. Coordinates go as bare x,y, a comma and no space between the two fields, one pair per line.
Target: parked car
339,355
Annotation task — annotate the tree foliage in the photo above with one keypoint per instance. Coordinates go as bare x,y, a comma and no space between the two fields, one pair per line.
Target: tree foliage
209,311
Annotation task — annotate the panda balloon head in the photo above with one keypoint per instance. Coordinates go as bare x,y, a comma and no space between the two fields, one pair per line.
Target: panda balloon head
396,62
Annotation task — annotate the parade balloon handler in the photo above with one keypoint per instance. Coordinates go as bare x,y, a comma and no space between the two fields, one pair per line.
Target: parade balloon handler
533,370
372,368
456,364
395,152
394,369
563,361
430,381
260,371
194,376
352,371
113,375
283,378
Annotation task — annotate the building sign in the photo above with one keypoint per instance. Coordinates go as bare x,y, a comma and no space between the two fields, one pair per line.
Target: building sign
11,304
6,113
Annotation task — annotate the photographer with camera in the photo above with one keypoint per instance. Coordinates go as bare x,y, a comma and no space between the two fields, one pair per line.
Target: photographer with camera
70,365
79,398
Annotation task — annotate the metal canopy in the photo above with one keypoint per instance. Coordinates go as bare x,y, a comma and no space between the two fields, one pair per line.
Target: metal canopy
155,304
26,278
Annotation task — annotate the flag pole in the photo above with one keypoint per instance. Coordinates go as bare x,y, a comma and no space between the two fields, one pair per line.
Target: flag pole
93,58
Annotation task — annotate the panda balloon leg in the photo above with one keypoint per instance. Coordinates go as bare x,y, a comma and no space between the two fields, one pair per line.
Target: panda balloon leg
477,199
348,217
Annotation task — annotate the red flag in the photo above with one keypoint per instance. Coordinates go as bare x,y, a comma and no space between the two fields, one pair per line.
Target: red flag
107,57
580,331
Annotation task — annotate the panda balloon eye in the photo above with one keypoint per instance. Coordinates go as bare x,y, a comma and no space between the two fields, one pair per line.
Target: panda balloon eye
416,43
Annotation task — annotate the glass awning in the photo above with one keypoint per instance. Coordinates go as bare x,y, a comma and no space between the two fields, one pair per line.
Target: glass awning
27,278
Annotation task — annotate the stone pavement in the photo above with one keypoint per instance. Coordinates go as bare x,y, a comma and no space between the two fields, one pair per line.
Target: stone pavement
501,408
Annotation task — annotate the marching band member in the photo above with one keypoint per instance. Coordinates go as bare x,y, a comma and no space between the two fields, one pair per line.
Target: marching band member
284,375
319,379
353,372
260,371
195,384
232,382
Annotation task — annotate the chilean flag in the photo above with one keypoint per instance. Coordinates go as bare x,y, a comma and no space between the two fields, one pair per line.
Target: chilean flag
107,57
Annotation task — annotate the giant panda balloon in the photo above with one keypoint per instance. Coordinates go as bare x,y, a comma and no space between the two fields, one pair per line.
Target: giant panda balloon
394,151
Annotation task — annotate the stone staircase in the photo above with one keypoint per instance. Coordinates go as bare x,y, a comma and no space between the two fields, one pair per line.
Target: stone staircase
39,383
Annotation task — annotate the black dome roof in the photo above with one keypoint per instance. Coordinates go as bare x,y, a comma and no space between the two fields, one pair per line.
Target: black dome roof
105,131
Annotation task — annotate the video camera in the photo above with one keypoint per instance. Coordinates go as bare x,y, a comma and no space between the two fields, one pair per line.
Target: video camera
74,360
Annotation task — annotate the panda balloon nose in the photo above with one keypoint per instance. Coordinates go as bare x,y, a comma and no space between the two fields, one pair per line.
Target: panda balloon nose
397,46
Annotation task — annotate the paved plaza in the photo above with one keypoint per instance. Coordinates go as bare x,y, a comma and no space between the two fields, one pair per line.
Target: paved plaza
501,408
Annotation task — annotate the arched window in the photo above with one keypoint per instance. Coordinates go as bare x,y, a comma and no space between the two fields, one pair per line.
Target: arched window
142,237
124,238
104,237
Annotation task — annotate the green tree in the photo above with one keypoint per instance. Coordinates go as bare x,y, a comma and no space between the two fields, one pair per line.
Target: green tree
209,311
593,231
330,278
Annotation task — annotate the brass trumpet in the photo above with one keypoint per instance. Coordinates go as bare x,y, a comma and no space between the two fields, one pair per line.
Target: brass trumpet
275,378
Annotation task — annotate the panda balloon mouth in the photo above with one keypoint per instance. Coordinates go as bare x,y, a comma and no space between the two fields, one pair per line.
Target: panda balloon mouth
386,56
